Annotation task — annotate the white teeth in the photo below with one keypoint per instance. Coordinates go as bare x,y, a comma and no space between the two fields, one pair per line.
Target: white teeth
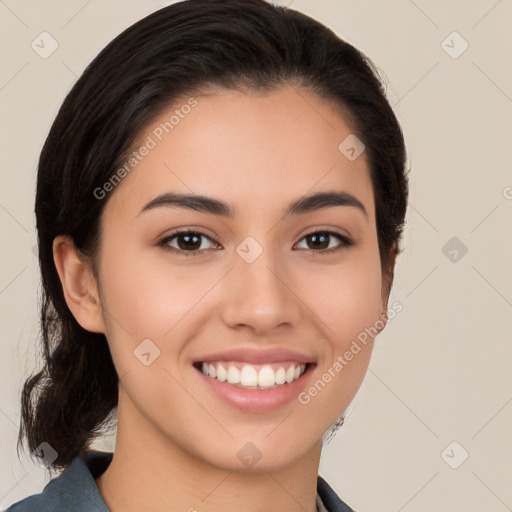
222,374
249,377
280,377
266,377
233,375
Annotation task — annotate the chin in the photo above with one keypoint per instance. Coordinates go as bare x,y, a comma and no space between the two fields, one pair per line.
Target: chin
259,454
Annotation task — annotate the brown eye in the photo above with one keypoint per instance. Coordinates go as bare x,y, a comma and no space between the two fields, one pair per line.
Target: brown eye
188,243
321,241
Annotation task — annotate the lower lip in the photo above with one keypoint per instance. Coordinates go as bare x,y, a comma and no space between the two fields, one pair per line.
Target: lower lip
258,400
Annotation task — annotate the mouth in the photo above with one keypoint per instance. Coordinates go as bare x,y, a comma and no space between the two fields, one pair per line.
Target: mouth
255,381
254,376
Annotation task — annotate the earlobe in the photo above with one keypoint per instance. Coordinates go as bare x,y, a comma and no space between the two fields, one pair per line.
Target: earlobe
78,285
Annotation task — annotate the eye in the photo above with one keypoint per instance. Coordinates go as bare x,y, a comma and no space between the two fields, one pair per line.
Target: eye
321,241
189,242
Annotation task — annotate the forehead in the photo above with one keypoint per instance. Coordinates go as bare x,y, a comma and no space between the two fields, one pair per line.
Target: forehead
250,150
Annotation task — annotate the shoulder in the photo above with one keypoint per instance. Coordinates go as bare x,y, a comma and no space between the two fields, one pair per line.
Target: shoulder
35,502
330,500
74,489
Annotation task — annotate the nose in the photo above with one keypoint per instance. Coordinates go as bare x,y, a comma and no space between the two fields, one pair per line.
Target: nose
259,296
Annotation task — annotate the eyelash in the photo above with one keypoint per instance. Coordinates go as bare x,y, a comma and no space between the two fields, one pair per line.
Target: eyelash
346,242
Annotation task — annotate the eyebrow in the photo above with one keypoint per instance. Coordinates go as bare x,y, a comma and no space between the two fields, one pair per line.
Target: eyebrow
204,204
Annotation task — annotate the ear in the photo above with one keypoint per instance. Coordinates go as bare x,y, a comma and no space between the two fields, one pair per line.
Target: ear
387,282
78,284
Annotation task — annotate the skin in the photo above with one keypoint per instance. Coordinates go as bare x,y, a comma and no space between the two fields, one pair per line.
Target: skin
177,443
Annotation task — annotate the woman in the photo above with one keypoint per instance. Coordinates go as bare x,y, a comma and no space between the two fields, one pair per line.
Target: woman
219,207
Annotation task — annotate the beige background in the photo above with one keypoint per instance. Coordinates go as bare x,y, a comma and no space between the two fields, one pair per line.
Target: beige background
441,370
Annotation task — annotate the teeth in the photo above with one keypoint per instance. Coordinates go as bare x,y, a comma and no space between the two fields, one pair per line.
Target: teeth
280,376
266,377
233,375
222,374
250,377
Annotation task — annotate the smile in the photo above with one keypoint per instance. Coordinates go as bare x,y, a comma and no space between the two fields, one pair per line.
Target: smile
253,376
255,380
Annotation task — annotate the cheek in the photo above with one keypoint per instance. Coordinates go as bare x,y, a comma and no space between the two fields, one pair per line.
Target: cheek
136,289
346,298
146,297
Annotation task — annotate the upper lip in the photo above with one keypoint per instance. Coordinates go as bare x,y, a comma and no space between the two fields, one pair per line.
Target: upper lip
257,356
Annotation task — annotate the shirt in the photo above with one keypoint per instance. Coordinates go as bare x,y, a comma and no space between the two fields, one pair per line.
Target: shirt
75,490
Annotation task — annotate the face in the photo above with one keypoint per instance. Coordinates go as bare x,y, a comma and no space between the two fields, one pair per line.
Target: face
276,286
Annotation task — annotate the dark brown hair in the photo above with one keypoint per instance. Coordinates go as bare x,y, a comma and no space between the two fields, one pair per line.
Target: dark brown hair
186,47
